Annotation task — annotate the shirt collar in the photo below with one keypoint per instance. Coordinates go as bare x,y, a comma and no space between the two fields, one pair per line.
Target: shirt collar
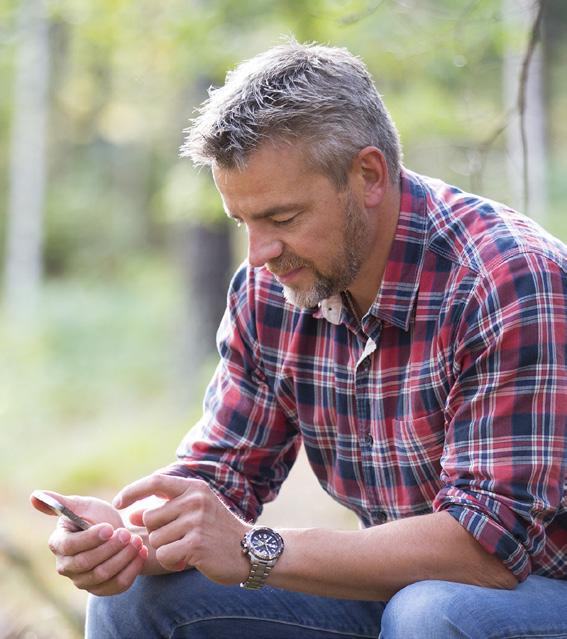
330,309
396,297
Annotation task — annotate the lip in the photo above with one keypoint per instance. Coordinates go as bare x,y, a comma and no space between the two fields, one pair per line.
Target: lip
290,275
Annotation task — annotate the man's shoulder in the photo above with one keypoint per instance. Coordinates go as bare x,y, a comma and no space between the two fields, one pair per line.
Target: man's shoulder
480,233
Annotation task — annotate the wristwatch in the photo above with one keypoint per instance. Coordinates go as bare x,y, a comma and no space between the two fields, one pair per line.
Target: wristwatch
264,547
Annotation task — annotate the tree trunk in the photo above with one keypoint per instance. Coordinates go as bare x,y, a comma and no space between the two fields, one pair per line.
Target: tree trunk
23,265
531,194
205,255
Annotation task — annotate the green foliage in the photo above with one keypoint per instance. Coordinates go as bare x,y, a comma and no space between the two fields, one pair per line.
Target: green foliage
187,191
127,74
90,385
80,375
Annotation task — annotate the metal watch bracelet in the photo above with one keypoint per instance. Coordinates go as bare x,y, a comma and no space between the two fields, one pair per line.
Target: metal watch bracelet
263,546
259,572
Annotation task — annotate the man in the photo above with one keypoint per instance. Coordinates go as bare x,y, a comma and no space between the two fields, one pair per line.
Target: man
412,336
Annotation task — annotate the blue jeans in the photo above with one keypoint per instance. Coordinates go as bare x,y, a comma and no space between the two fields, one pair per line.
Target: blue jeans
189,606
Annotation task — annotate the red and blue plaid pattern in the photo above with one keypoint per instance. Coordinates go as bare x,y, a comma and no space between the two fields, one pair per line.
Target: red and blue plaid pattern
450,395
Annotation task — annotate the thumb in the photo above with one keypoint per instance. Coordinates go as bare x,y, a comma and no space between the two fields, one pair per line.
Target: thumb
136,516
42,500
136,513
56,504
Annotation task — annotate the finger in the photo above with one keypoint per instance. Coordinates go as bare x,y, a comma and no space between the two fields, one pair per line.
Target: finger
136,517
174,556
159,485
38,504
155,518
167,534
87,561
123,580
90,508
107,570
73,502
67,542
196,499
136,513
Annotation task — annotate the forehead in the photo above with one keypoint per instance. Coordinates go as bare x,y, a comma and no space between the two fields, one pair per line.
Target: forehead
266,162
273,175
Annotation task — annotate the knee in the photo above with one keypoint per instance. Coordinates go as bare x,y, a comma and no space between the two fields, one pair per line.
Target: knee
102,615
108,616
427,610
153,606
126,615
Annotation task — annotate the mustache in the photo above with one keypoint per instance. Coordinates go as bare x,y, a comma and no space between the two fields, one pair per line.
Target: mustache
285,264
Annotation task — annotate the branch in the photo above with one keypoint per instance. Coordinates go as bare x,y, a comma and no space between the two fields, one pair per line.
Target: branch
519,107
358,16
535,36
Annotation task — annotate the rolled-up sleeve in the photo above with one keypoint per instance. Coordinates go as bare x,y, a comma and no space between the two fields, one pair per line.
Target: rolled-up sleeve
504,461
243,445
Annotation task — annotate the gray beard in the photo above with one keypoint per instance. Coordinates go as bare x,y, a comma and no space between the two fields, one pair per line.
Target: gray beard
322,289
344,268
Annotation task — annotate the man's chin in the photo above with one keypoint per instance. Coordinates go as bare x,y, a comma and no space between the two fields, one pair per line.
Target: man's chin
302,299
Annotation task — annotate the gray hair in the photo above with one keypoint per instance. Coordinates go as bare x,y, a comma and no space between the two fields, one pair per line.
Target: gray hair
322,96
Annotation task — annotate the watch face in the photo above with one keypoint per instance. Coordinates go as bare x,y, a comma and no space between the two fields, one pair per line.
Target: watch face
265,543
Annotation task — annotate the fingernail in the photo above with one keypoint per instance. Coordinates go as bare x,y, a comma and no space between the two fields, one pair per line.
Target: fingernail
105,533
137,542
117,502
143,552
124,536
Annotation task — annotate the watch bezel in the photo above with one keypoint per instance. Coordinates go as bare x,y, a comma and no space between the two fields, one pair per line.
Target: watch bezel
248,547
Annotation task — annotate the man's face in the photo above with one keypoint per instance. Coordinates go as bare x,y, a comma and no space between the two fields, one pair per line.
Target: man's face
339,270
312,237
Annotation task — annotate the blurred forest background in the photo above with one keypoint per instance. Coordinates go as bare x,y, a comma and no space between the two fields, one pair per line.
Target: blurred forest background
115,255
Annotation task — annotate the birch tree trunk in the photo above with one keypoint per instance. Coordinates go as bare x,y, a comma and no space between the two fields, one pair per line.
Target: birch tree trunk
518,16
23,265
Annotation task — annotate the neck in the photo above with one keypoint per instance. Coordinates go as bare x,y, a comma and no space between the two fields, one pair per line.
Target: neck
382,229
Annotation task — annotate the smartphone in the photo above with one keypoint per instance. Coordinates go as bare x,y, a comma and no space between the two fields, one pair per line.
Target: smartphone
59,509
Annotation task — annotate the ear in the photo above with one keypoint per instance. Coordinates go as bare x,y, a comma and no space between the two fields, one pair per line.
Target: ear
372,174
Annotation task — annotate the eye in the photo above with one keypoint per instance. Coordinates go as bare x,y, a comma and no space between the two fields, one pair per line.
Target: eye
284,221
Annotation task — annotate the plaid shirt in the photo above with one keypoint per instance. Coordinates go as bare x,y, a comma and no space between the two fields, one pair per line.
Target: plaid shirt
451,394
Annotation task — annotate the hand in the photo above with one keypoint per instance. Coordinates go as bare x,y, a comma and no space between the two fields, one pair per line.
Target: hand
106,558
192,528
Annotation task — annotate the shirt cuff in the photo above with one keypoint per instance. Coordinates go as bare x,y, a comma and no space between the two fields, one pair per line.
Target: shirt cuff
473,514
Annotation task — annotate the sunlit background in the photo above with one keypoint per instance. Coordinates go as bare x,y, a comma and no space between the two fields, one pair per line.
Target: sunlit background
116,255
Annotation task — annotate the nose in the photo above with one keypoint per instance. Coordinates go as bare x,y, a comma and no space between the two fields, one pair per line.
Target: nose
262,248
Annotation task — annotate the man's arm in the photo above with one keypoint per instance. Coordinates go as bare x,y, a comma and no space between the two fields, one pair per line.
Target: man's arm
245,443
503,462
228,448
377,562
194,528
502,465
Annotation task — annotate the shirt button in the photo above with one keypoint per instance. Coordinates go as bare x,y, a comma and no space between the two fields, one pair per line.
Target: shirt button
369,440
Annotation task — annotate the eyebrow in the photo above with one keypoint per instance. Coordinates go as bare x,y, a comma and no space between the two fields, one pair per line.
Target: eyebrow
270,212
